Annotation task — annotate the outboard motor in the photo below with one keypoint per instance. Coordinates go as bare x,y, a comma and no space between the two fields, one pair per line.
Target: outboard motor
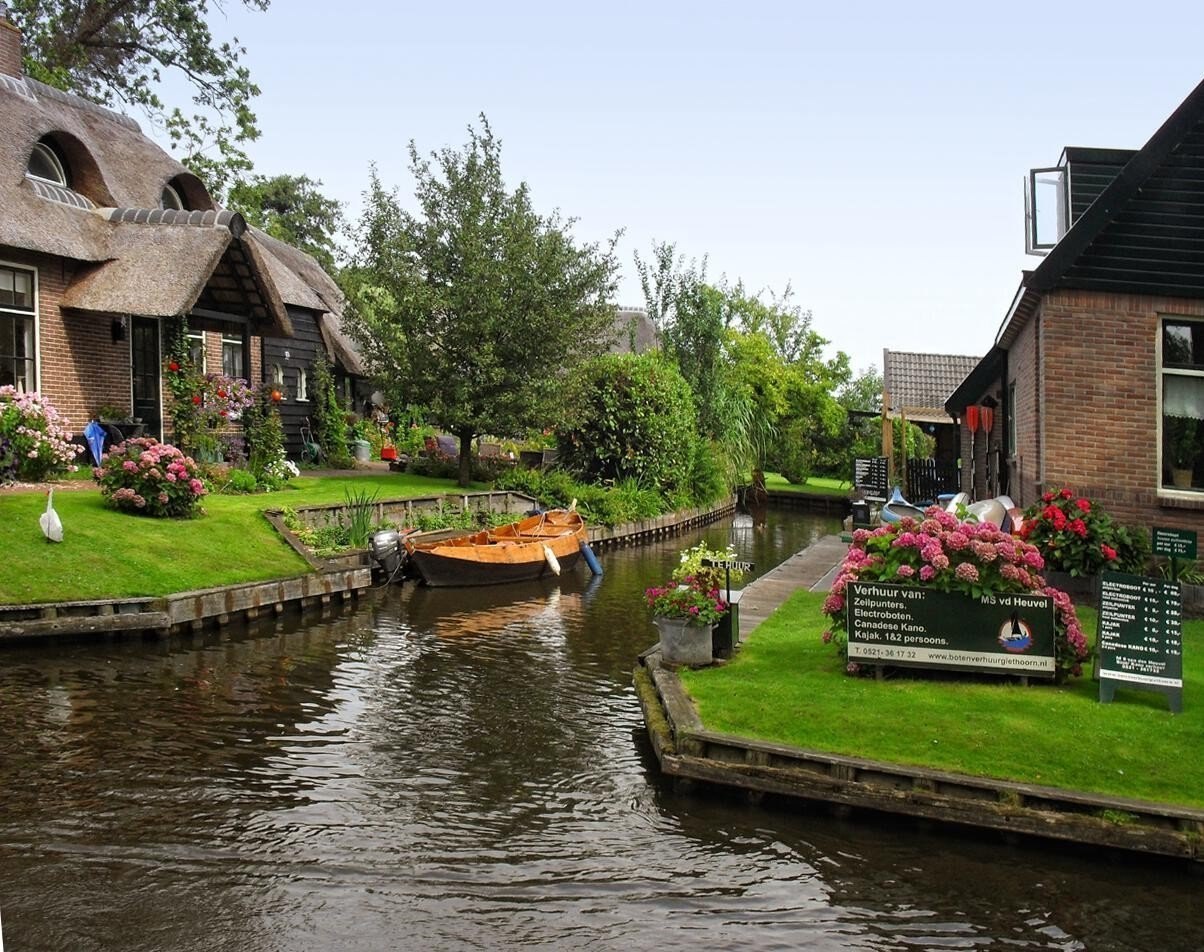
385,548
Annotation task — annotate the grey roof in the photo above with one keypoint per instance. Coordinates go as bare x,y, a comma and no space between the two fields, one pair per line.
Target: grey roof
917,385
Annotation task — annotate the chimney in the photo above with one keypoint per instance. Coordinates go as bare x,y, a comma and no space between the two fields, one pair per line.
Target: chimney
10,45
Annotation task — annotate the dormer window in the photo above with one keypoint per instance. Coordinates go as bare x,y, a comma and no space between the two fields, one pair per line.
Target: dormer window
1046,209
45,164
170,199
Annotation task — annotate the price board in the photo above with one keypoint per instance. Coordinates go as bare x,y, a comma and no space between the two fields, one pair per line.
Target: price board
869,474
1174,543
1140,636
919,627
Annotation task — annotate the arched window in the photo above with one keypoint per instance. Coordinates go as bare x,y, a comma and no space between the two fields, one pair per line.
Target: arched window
45,164
303,383
170,199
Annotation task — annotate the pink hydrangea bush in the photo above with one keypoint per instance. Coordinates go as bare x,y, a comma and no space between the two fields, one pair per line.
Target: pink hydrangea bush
34,440
150,478
948,555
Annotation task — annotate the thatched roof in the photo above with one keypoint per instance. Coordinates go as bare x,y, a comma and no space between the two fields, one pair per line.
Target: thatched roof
633,331
149,261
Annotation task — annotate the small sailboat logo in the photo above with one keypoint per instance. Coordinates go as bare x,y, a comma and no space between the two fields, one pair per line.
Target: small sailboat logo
1015,635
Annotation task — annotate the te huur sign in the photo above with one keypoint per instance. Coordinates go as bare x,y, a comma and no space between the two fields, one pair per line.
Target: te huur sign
1140,636
918,627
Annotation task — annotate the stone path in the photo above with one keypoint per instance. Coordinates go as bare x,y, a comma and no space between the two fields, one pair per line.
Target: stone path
813,569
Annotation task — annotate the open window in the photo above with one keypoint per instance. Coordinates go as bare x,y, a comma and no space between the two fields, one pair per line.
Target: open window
1046,209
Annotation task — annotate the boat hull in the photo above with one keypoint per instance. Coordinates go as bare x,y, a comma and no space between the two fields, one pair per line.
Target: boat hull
522,551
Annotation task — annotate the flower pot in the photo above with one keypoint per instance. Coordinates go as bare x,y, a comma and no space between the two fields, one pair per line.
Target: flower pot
1181,478
683,642
361,450
388,452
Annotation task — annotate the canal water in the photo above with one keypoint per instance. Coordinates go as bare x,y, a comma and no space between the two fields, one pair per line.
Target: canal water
442,769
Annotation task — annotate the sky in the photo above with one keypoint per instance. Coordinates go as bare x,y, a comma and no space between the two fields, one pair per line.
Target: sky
870,156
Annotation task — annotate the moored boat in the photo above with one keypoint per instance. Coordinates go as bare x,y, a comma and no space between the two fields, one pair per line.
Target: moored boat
531,548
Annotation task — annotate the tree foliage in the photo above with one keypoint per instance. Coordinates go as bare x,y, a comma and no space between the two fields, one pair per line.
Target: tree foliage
117,53
476,306
631,416
293,209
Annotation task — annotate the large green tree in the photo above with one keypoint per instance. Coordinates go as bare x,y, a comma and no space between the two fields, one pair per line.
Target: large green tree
475,306
116,52
293,209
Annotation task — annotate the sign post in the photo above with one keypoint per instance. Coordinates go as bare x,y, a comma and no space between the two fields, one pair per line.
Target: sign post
727,633
1140,636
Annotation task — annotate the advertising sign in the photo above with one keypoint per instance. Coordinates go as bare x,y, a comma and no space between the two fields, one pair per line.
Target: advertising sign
906,625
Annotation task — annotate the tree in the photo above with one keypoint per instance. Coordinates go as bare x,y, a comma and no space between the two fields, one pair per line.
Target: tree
116,54
291,208
476,307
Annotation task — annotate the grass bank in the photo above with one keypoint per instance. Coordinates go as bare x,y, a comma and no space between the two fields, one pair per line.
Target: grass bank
813,485
110,554
785,685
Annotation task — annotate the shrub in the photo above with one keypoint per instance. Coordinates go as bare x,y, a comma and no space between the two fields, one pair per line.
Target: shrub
34,439
267,460
1076,536
150,478
241,481
633,417
952,556
330,423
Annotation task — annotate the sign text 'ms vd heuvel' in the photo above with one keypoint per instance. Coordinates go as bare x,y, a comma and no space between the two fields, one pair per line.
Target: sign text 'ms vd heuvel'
906,625
1140,635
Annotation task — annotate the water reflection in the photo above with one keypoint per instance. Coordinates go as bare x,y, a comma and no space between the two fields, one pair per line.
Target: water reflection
467,769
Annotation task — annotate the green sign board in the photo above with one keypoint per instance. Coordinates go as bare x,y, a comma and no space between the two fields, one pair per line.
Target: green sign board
1140,636
919,627
1175,543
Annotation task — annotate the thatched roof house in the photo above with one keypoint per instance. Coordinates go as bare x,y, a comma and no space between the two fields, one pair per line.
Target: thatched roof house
103,236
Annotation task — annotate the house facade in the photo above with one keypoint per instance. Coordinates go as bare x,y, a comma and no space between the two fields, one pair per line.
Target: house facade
106,243
1096,377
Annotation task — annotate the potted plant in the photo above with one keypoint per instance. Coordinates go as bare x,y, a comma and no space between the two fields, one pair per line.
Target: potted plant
685,616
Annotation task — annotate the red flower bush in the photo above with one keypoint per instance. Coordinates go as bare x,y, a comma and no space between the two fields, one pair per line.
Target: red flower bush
1076,536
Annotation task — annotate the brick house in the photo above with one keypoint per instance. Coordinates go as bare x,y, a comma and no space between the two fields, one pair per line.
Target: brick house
106,241
1096,378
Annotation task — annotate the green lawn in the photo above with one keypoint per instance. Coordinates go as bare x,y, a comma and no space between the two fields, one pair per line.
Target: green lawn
816,485
110,554
785,685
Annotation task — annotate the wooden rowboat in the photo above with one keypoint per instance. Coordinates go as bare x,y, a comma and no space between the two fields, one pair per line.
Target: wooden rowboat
531,548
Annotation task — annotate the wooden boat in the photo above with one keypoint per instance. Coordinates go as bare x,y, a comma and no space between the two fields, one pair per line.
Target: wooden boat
531,548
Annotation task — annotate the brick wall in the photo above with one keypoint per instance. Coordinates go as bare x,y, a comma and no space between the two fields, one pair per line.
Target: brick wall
1025,457
1097,407
80,367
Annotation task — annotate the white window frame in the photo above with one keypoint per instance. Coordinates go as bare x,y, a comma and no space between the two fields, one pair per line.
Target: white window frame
199,337
36,315
302,385
1163,320
227,339
52,159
